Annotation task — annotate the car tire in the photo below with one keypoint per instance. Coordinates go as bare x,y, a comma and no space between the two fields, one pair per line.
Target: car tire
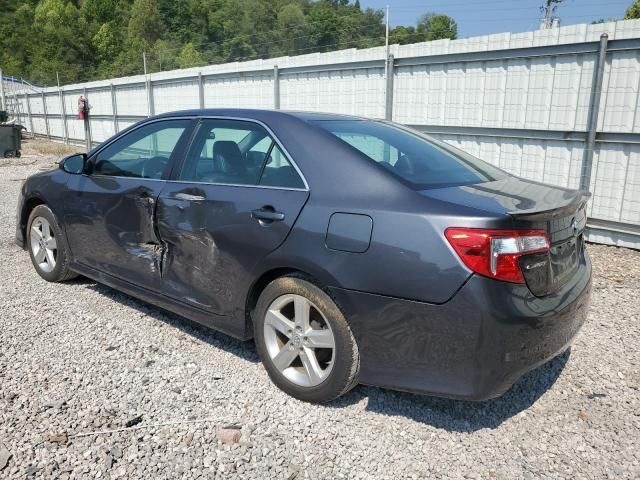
321,354
47,246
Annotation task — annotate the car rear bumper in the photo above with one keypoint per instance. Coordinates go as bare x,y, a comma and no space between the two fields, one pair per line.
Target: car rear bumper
475,346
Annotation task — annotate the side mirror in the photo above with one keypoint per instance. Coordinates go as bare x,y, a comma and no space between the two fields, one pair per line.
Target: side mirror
74,164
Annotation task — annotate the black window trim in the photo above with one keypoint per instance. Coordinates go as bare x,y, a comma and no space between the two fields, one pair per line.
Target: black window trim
274,138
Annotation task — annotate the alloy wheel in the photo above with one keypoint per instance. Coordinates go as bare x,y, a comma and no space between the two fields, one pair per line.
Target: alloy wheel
43,244
299,340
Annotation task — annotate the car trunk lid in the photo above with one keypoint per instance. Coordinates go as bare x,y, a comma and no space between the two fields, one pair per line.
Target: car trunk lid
560,212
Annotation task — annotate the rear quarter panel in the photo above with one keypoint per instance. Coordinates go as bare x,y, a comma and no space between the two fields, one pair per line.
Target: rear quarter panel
408,256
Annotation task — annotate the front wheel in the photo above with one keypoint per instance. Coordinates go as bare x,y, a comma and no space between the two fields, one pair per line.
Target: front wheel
304,341
47,246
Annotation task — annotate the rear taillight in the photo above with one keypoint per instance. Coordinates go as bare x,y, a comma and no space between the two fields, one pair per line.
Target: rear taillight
495,253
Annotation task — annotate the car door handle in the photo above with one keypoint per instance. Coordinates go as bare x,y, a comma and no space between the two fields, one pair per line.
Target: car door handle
267,214
188,196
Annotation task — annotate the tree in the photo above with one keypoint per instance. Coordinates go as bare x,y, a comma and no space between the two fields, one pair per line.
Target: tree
239,48
324,26
291,29
90,39
61,43
435,26
403,35
189,57
633,11
145,23
163,56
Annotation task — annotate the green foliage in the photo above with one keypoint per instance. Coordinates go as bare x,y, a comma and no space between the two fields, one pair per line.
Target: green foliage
431,26
434,26
145,23
633,11
189,57
93,39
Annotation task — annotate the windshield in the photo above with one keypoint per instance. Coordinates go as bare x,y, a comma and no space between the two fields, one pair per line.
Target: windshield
420,160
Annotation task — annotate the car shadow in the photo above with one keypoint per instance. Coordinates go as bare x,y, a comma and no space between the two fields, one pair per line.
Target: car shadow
244,350
442,413
460,415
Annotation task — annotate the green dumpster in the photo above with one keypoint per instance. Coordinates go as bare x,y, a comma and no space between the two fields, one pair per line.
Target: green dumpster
10,140
4,116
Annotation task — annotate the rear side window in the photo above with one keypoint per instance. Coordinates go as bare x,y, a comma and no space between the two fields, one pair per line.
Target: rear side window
420,160
236,152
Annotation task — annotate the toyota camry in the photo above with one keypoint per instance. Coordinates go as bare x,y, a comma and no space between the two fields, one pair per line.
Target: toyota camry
351,250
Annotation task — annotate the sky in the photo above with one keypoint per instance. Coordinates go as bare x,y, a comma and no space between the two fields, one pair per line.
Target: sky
478,17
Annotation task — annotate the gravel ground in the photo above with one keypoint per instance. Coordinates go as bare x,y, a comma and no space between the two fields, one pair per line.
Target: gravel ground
78,358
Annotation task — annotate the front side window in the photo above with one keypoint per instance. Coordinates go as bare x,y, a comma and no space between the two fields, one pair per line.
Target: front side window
237,152
143,153
421,161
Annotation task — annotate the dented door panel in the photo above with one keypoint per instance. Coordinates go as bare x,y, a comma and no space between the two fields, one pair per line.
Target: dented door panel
111,227
212,239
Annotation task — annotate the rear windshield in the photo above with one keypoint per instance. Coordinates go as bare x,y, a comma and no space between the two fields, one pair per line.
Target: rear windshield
420,160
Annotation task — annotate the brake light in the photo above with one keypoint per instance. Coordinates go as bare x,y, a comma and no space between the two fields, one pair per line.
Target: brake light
494,253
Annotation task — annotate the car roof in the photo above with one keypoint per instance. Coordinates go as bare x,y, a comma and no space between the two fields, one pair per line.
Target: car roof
261,114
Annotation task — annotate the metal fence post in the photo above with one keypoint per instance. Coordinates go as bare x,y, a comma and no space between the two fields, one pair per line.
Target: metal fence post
200,90
388,105
87,122
150,107
63,114
114,109
592,119
3,100
46,116
276,88
26,97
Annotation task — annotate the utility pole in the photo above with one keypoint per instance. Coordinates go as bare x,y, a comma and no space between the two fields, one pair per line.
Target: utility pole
144,62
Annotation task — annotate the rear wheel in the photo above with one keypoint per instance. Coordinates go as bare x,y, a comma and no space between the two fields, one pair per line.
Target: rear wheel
304,341
47,246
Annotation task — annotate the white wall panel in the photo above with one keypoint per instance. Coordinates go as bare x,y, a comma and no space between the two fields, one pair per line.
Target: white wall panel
76,128
541,80
56,129
515,96
36,104
608,181
100,102
242,91
620,98
557,163
630,212
131,100
53,104
173,96
564,96
101,129
356,92
39,125
494,94
587,64
554,162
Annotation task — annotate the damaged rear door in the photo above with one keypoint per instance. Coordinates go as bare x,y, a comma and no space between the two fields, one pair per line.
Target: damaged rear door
110,215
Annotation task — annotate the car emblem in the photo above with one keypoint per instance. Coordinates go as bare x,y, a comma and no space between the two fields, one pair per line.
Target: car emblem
574,227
